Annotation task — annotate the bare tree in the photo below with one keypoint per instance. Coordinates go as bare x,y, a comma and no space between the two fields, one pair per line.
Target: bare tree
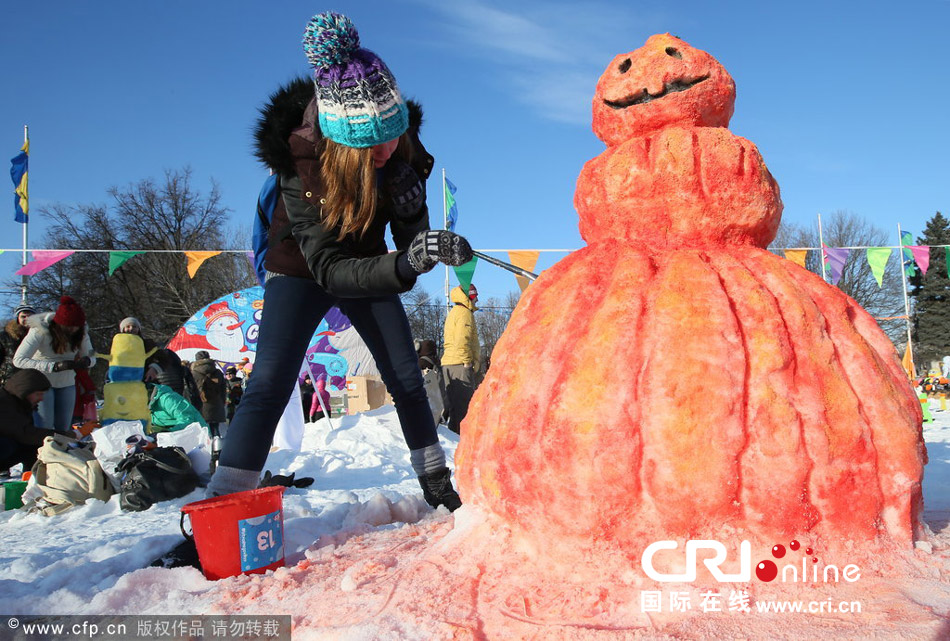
426,317
848,229
155,286
493,319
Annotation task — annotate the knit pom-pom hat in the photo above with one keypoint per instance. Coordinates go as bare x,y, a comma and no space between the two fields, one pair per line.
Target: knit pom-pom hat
69,313
358,101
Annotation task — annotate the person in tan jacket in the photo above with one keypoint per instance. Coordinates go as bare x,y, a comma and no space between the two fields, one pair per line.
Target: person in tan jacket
462,355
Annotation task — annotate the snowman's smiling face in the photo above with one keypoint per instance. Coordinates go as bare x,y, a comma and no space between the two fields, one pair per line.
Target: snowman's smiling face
664,83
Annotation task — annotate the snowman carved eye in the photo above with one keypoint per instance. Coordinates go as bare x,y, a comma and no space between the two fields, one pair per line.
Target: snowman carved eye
624,66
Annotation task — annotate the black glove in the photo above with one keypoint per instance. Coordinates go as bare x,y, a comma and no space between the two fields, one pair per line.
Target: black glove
431,247
271,480
60,366
407,192
82,362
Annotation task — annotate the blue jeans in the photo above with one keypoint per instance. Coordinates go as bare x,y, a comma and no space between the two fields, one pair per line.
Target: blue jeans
293,307
56,408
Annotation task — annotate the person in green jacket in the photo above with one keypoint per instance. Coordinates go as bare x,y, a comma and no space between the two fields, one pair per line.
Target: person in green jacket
170,411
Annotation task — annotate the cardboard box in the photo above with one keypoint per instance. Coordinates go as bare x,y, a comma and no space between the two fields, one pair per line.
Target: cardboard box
364,393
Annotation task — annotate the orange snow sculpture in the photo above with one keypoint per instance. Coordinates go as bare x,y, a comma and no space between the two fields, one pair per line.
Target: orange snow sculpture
674,378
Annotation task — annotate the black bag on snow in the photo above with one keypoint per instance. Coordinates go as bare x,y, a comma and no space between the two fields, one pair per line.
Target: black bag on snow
156,475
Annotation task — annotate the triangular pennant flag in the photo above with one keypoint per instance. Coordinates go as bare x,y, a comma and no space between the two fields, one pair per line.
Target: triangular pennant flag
464,273
877,259
41,260
908,363
797,256
835,258
921,255
196,259
526,260
118,258
907,239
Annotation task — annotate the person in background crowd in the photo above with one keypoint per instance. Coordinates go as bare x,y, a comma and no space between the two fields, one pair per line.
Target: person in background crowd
165,364
306,394
431,367
243,371
191,386
212,389
57,344
320,393
10,338
19,438
235,391
170,411
460,359
85,394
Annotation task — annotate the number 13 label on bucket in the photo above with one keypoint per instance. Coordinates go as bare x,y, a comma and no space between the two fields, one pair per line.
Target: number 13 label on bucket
262,541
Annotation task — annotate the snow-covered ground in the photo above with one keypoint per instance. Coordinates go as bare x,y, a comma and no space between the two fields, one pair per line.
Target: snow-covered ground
343,532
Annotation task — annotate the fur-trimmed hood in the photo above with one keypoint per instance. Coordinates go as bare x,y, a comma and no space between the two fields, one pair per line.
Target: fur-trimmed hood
40,320
15,331
285,111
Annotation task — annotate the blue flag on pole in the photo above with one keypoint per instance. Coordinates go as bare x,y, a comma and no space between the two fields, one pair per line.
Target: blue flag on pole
18,172
907,239
450,206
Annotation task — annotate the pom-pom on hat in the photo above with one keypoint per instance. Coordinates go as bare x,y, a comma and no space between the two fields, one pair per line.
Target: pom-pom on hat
358,101
69,313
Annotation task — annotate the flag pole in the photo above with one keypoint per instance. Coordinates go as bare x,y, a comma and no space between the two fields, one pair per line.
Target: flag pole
26,224
821,249
900,239
445,225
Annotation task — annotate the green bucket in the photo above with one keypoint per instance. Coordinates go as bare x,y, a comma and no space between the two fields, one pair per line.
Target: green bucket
12,494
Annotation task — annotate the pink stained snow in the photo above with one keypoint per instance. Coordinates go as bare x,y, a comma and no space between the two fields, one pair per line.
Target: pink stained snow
358,571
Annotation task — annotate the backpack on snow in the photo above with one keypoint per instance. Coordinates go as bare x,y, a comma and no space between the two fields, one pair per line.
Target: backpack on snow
68,474
155,475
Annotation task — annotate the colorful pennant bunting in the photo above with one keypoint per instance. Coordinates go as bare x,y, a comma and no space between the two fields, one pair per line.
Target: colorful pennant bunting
526,260
118,258
921,255
797,256
877,259
196,259
465,272
42,259
835,258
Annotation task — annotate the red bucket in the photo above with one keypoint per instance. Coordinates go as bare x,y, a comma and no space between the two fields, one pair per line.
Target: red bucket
241,533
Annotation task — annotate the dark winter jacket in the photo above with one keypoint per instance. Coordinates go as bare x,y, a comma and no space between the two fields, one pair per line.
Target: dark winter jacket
10,338
170,363
16,414
212,388
359,265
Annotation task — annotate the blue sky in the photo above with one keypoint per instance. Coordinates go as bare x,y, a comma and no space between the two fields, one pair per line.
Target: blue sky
848,102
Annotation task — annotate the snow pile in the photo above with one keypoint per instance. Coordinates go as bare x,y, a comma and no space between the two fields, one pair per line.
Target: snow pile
367,559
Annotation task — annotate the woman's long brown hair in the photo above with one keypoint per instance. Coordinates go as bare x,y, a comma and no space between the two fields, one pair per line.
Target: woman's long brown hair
349,185
63,341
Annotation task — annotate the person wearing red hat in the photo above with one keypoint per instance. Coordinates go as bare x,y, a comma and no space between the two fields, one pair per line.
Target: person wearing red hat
57,345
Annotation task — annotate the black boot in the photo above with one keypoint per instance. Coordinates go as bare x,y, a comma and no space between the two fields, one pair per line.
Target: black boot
184,554
437,490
